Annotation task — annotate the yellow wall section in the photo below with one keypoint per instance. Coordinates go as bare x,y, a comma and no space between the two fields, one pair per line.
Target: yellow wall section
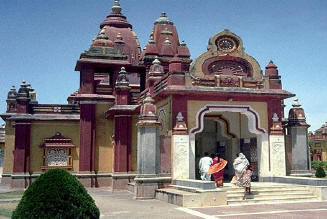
8,162
194,106
104,132
41,130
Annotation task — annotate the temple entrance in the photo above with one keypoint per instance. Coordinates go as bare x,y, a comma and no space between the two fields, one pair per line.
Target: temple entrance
217,137
228,132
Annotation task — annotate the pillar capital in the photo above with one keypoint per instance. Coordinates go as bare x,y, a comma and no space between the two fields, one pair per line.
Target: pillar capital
180,127
277,128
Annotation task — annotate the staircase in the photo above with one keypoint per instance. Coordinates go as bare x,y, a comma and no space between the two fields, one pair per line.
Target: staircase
269,193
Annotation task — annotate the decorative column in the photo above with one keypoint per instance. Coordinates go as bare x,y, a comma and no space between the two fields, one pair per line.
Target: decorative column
277,148
181,149
148,152
20,177
87,127
87,144
298,133
123,123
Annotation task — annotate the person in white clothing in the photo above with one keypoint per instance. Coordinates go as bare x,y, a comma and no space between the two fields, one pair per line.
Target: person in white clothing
204,165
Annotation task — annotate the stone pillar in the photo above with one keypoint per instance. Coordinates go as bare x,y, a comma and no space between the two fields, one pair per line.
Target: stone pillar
181,149
21,169
298,132
148,152
277,148
122,133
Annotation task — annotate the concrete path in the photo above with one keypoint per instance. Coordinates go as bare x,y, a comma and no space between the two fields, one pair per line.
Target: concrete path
300,210
122,205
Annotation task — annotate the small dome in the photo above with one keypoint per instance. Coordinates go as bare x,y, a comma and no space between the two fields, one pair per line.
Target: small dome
23,91
271,69
102,40
182,50
163,19
12,94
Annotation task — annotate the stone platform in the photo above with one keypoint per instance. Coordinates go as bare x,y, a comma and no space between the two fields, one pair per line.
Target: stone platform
196,193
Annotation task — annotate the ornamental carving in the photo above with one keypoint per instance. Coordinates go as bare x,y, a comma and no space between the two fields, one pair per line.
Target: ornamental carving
56,157
57,152
229,82
227,68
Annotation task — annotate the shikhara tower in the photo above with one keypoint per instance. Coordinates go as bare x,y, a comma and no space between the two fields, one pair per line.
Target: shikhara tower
148,116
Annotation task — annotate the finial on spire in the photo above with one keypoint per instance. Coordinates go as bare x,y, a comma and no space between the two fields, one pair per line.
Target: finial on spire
183,43
163,19
296,103
116,9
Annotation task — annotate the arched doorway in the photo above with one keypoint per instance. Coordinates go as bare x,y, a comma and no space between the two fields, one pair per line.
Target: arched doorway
227,130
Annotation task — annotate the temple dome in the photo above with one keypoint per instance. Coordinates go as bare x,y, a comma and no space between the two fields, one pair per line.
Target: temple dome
116,24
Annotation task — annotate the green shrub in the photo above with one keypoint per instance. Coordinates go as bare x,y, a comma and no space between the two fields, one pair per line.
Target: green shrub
316,164
320,173
56,194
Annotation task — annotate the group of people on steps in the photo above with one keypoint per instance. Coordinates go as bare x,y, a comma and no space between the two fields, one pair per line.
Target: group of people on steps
214,166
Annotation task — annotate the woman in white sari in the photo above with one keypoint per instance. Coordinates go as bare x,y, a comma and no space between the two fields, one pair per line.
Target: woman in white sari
240,163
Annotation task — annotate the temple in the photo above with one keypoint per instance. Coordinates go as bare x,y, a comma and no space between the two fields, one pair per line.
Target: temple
147,116
318,141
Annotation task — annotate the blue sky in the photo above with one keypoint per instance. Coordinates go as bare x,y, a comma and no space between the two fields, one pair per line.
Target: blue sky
40,41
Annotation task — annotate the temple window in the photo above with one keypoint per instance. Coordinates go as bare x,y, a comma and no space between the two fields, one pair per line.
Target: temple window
57,152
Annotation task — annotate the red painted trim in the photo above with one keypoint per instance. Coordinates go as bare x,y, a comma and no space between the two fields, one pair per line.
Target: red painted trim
122,150
22,147
220,117
87,137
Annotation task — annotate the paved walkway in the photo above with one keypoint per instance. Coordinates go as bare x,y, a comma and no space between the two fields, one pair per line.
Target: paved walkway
122,205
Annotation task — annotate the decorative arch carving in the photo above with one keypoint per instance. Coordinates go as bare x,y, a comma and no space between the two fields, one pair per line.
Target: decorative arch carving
252,115
227,65
226,56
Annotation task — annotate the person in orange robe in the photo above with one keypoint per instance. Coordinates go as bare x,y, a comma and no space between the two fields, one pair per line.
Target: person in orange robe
217,170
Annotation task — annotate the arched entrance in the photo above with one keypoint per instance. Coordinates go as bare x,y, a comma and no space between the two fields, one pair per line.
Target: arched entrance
228,129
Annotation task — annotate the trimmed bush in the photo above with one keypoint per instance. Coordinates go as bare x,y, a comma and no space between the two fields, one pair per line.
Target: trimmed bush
320,173
56,194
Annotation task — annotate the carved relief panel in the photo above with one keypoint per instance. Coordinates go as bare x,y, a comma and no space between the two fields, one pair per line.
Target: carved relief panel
57,152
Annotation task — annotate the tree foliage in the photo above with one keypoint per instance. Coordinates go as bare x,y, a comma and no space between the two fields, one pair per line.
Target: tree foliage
56,194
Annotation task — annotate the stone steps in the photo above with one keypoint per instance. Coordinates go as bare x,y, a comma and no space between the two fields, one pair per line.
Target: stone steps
269,194
271,200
